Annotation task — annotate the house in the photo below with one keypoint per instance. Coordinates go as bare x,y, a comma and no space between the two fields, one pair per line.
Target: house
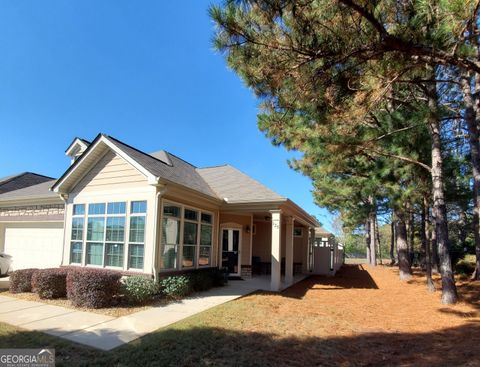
119,208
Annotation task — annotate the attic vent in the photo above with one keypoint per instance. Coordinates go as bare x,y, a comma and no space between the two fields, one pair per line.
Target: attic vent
162,155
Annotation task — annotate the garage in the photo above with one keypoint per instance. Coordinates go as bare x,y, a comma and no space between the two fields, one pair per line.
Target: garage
33,245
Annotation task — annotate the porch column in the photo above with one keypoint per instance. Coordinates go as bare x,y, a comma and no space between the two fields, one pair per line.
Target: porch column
289,251
275,279
311,255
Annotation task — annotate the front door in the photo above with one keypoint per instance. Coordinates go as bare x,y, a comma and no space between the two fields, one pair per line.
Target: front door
230,250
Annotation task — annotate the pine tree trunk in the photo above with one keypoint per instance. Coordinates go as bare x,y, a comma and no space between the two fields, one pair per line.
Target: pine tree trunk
411,234
372,219
449,290
471,117
402,246
392,241
433,242
425,231
379,245
367,239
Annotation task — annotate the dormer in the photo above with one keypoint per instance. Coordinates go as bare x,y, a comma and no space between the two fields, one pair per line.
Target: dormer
76,149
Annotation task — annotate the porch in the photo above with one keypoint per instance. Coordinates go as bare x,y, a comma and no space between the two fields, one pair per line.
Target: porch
272,248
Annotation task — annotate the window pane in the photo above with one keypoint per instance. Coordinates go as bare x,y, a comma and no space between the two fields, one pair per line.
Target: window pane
225,240
137,229
236,237
77,229
94,253
78,209
95,229
189,233
114,254
206,218
116,208
115,229
76,253
171,211
170,231
205,235
94,209
138,207
204,256
136,257
168,256
188,259
191,214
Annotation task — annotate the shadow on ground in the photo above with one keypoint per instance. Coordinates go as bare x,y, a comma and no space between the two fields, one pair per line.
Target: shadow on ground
348,277
207,346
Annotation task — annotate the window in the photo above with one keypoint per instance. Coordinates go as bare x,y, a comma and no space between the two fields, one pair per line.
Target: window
170,237
136,237
192,230
76,240
105,234
298,232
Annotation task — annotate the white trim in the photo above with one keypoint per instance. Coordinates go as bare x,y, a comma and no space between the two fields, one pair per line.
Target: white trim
74,144
153,180
230,242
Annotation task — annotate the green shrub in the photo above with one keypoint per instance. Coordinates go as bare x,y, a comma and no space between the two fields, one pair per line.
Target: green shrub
138,289
201,280
21,280
176,286
50,283
466,266
93,288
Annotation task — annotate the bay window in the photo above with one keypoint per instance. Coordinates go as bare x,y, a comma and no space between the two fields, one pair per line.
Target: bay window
188,230
136,238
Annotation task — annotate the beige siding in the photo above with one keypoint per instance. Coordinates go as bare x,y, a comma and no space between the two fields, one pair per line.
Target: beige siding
111,171
262,243
243,221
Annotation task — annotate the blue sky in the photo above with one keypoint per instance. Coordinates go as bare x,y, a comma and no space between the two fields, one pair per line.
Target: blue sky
143,72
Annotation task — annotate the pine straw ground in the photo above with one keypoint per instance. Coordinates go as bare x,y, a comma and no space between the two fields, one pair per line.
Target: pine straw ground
361,317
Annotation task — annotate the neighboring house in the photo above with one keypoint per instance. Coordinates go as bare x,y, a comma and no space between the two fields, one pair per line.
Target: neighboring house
154,213
31,221
327,253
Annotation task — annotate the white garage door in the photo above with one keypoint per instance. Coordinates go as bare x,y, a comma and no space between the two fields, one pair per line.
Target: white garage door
34,245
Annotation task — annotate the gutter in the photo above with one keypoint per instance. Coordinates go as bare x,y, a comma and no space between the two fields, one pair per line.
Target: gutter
64,199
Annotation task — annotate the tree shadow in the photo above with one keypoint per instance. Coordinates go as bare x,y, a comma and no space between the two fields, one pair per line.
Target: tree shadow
348,277
211,346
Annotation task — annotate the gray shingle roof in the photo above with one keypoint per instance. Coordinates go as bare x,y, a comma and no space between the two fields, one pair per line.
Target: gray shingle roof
41,190
20,181
167,166
234,185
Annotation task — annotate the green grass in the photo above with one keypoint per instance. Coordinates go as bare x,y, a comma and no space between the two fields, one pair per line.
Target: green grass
202,340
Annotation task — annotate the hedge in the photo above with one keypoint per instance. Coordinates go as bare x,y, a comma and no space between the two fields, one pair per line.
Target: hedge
21,280
50,283
93,288
138,289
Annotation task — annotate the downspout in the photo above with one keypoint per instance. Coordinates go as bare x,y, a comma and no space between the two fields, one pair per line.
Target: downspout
64,198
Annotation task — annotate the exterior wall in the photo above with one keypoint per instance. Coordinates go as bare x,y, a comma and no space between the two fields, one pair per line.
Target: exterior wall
44,212
243,221
110,172
111,180
263,238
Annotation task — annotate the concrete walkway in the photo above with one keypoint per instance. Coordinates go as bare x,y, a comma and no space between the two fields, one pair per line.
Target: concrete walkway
106,332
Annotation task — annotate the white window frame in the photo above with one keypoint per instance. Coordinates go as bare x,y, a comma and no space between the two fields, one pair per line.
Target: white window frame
126,235
181,219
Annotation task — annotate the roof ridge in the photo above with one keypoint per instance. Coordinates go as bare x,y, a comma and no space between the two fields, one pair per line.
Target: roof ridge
14,176
215,166
136,149
183,160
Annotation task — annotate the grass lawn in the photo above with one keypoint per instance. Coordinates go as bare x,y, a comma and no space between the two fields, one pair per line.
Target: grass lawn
361,317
